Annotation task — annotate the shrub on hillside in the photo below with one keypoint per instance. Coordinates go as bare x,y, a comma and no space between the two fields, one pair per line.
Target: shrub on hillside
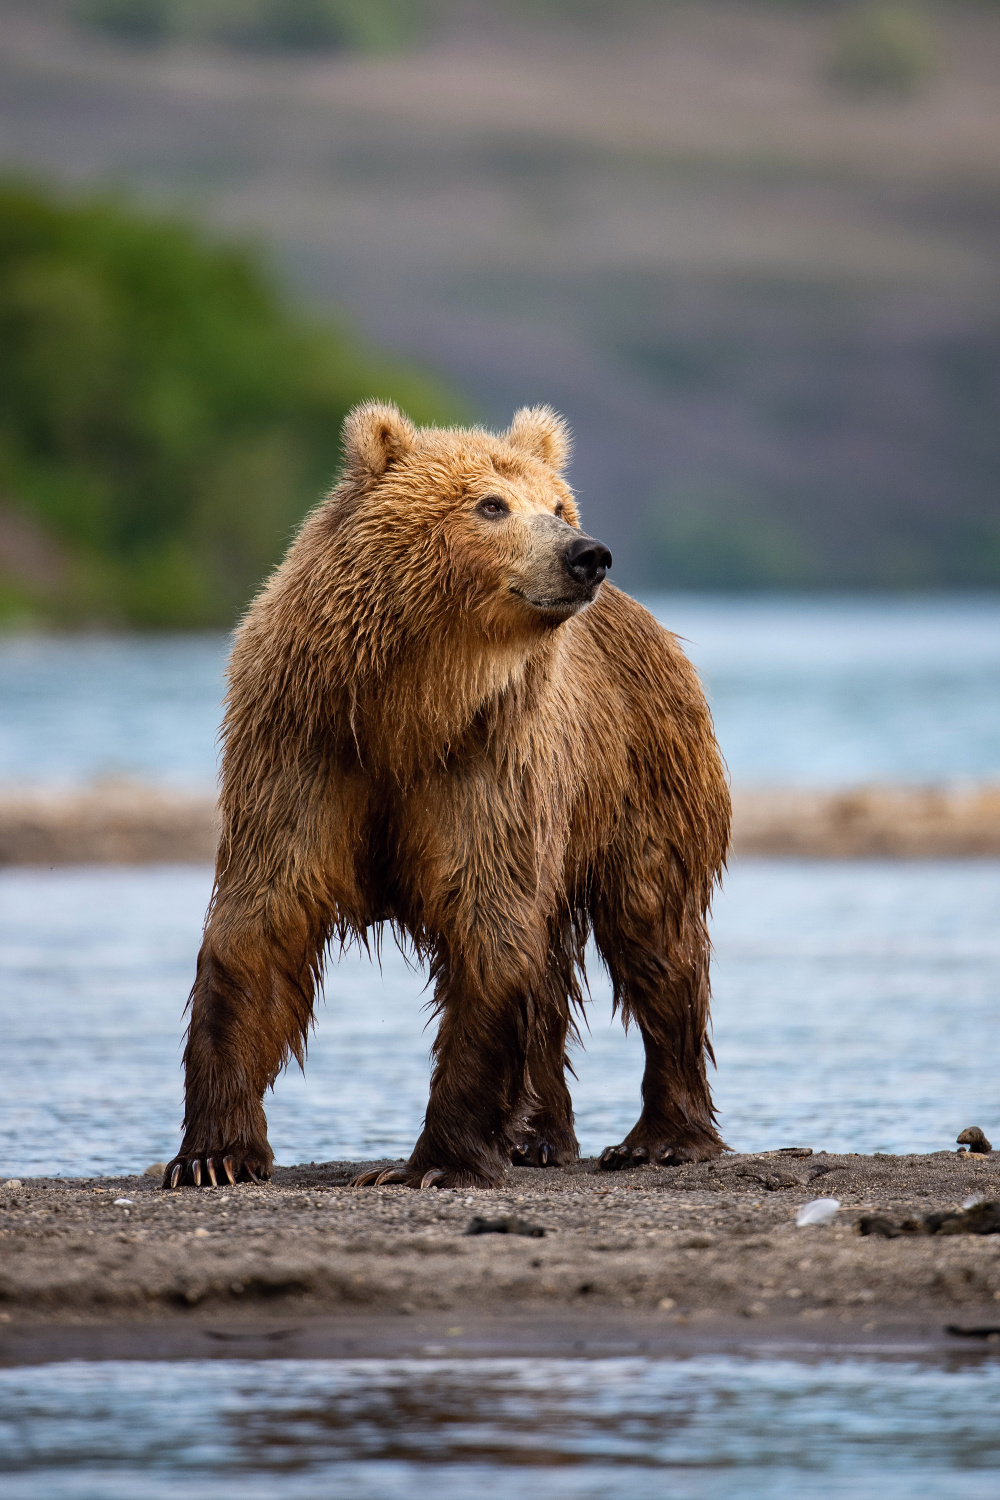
883,49
165,420
268,25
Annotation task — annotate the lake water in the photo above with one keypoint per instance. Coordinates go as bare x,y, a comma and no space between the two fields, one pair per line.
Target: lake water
823,691
857,1008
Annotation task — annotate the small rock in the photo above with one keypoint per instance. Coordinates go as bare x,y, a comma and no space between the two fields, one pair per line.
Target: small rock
980,1218
879,1227
776,1181
509,1225
975,1140
665,1304
156,1170
990,1332
123,1203
13,1182
983,1218
201,1234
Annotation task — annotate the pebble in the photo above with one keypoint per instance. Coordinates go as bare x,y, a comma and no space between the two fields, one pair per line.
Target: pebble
508,1225
13,1182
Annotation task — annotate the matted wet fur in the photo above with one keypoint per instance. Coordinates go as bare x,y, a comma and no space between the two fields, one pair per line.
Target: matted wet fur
439,717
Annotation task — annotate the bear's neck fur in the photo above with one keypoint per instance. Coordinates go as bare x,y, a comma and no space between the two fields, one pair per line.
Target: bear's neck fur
321,670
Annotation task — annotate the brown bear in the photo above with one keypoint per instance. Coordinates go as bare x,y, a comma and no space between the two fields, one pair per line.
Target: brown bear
441,718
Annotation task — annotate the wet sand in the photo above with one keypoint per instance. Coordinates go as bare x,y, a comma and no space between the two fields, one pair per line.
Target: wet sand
678,1260
125,823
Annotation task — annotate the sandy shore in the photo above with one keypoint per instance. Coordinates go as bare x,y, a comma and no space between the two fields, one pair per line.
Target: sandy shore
694,1256
122,823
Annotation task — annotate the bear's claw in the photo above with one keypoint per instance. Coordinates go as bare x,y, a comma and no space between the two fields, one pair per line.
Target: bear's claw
531,1154
619,1158
202,1171
659,1152
544,1145
367,1179
380,1178
413,1177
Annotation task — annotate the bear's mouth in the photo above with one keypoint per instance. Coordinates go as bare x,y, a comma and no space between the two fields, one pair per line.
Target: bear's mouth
567,604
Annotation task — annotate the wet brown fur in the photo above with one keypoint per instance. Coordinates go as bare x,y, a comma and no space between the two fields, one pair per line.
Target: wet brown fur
408,741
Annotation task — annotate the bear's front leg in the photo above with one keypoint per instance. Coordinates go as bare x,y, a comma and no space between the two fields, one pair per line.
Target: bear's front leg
251,1007
229,1060
479,1059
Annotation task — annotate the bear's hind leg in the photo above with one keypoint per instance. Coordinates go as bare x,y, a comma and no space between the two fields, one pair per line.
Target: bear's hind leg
657,951
543,1133
479,1059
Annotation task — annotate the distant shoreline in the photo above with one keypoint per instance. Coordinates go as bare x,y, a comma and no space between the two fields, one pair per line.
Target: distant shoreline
135,824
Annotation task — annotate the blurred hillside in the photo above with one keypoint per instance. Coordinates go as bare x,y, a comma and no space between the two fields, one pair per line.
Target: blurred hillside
751,250
164,420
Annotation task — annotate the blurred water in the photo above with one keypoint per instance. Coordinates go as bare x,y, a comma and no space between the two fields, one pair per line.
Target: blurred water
857,1008
75,708
828,691
548,1429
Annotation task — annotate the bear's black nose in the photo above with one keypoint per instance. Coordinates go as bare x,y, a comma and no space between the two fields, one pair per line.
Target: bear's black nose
587,560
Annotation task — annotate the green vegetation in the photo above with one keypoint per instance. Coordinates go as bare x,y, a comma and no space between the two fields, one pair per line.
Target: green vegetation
165,420
880,46
883,49
713,540
268,25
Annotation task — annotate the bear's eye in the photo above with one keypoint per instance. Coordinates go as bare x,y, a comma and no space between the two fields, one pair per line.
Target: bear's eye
559,510
493,506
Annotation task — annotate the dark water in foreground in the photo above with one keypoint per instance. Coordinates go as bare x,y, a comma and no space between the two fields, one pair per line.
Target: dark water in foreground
549,1429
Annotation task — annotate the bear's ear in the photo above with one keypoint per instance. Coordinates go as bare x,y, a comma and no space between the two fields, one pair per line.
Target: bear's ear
376,435
543,433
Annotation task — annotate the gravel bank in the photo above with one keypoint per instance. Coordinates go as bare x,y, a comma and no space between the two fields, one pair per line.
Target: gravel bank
121,823
698,1246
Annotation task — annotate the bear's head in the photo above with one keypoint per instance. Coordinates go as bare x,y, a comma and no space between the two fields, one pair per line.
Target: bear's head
459,526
